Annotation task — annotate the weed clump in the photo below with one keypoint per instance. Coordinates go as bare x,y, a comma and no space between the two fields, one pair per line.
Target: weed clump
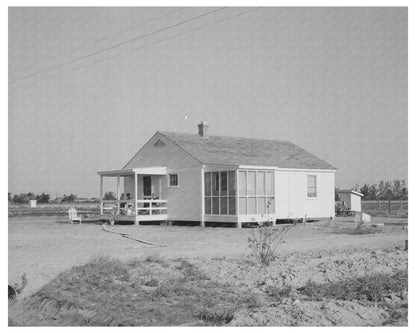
265,241
278,291
372,288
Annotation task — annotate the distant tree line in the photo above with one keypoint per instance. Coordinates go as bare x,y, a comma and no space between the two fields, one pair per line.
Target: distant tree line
25,197
41,198
384,190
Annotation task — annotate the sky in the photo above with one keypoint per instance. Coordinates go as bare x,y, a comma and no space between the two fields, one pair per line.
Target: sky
88,86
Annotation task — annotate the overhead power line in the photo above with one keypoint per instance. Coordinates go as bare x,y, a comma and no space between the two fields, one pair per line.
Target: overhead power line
83,45
116,45
151,44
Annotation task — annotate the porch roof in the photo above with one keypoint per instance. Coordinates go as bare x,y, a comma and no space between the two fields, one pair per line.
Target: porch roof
131,172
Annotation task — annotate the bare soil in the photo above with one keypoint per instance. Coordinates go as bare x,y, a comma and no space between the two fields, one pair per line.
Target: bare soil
43,247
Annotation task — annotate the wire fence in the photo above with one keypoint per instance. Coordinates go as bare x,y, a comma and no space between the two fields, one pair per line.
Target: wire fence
384,207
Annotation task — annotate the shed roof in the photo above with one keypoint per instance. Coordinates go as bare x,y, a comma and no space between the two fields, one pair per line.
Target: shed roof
246,151
351,191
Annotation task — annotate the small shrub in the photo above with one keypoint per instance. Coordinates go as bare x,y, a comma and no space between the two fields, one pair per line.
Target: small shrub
360,224
218,315
190,272
265,242
250,301
152,282
279,291
155,258
18,287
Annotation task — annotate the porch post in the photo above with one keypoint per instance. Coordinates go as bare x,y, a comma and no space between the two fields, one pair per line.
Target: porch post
160,188
118,194
101,195
237,199
135,199
202,197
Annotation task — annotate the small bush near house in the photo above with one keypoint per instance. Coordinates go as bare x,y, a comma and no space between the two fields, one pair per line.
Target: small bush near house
265,241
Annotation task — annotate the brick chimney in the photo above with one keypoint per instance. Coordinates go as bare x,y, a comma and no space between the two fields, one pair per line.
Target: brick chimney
203,129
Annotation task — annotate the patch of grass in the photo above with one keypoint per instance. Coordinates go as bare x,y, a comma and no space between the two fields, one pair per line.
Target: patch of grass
250,301
355,231
106,292
156,258
217,315
397,315
372,288
278,291
375,289
190,272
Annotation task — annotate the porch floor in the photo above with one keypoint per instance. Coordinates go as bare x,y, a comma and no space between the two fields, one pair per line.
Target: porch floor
133,218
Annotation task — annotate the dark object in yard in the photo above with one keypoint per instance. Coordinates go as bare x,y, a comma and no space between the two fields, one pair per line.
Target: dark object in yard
405,245
12,295
130,237
342,210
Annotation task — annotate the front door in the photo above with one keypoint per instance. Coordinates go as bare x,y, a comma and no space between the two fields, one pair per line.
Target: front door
147,186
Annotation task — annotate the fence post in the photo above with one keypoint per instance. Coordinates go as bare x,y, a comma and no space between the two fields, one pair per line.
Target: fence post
401,205
389,206
379,206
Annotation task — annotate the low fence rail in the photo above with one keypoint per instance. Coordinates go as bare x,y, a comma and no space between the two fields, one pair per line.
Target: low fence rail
384,207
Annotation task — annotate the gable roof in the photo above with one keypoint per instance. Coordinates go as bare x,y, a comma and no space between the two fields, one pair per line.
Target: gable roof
246,151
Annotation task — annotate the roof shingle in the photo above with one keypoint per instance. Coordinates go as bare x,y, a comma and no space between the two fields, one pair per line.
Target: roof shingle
246,151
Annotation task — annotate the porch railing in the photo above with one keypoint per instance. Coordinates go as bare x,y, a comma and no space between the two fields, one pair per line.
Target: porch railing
151,207
126,207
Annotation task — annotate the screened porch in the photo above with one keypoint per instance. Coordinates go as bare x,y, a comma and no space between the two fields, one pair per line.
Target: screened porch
241,195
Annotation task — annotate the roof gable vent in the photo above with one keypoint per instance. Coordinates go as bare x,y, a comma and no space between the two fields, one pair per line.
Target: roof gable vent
159,143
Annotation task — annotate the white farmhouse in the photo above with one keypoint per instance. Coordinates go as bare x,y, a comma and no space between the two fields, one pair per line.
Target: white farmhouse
198,177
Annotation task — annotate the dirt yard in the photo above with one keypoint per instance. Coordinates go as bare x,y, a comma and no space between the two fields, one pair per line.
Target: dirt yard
42,247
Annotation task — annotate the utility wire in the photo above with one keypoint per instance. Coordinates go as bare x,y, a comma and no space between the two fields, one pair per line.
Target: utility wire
151,44
116,45
100,39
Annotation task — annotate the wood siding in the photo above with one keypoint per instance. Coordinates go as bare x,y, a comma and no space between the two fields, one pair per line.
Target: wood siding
291,195
169,155
184,201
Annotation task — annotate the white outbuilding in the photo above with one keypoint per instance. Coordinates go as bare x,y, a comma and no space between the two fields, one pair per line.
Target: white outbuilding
351,199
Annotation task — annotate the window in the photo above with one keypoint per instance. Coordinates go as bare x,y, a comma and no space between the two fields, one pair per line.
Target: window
256,192
207,184
242,183
173,180
312,186
251,183
220,192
